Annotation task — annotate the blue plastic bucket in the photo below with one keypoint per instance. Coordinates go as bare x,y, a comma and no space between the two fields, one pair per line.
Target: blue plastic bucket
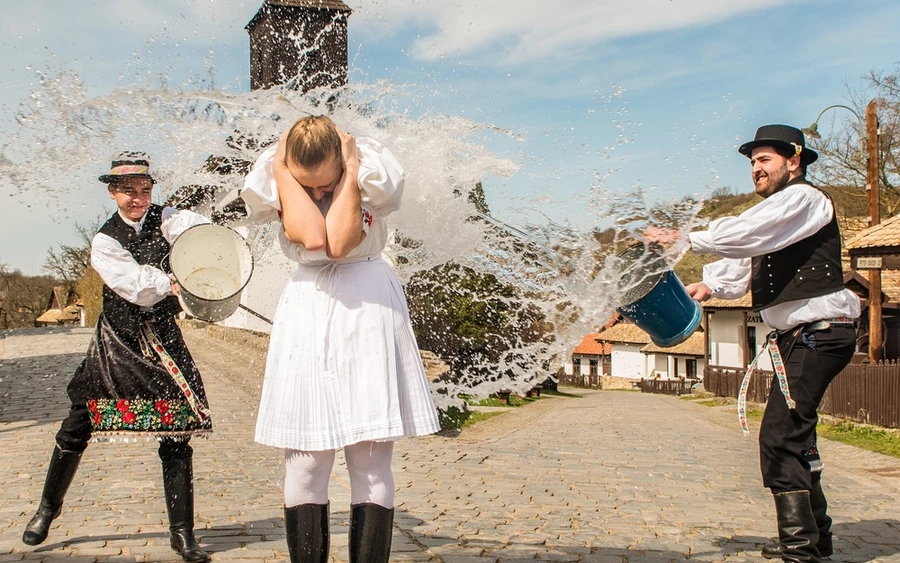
656,300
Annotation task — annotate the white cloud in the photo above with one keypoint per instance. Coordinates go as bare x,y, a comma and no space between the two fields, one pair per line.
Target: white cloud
524,30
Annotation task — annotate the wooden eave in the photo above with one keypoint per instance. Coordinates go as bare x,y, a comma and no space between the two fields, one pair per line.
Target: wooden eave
335,5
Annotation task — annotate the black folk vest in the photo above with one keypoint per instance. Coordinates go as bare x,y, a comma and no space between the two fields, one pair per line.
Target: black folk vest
148,247
806,269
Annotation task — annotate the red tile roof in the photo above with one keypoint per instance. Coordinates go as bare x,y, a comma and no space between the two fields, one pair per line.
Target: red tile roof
591,346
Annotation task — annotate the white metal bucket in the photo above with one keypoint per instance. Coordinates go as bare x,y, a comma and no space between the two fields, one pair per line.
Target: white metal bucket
212,264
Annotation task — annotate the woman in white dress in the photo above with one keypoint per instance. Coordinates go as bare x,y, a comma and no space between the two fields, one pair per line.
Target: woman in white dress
343,369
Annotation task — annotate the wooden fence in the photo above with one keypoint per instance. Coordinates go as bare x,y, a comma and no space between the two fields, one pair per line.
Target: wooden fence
868,393
668,386
592,381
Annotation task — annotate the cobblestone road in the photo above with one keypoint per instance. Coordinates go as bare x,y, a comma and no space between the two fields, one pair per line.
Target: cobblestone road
608,477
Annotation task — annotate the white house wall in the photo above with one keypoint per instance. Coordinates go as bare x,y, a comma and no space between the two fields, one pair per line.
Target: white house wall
628,361
726,340
658,363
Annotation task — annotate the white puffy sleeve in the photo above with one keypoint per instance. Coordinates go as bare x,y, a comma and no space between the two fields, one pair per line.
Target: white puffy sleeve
260,192
381,178
144,286
728,278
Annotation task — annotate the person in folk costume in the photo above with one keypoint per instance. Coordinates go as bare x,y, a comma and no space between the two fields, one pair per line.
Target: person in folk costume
343,368
138,378
786,251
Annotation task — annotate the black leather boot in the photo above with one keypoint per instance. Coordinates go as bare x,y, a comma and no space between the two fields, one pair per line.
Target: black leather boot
306,531
179,487
371,526
819,505
63,464
797,530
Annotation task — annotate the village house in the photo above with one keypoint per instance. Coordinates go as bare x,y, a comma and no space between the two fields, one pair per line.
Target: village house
682,361
876,252
622,354
64,308
589,363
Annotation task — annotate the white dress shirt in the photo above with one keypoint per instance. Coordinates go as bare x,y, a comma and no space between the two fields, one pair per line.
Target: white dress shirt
788,216
144,285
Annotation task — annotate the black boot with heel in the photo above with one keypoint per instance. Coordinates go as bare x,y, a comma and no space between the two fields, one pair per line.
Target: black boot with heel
819,504
179,487
797,530
63,465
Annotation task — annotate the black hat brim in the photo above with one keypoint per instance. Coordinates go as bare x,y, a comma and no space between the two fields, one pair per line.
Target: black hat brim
807,155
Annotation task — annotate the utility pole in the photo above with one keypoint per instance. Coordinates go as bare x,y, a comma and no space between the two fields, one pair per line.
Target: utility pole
876,334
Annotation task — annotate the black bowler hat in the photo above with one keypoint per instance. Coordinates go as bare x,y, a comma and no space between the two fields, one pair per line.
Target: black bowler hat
782,136
128,165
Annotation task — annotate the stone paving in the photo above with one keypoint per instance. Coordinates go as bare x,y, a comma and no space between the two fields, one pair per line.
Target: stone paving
607,477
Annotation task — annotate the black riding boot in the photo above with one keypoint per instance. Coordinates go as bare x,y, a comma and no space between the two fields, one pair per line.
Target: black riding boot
178,484
825,544
797,530
63,464
306,531
371,526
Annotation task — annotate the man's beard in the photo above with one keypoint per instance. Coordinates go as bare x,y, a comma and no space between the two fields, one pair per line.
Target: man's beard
771,183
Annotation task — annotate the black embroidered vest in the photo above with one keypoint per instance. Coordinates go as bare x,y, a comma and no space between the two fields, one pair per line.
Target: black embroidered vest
806,269
148,247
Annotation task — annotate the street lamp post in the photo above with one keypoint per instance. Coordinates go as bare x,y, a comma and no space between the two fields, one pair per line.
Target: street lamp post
869,143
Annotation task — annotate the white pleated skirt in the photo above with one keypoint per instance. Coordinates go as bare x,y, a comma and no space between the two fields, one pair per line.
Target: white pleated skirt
343,365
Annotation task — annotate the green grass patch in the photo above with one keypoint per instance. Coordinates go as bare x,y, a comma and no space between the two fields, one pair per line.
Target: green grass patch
552,393
476,417
755,414
869,438
715,401
491,401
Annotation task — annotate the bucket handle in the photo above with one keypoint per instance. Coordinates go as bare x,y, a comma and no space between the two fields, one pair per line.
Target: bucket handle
254,313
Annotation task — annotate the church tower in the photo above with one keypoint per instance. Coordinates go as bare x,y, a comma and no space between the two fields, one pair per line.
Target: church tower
299,43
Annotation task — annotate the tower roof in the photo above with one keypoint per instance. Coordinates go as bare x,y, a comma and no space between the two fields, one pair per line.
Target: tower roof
335,5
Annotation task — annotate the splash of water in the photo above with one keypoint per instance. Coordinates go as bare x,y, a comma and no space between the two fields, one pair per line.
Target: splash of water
566,282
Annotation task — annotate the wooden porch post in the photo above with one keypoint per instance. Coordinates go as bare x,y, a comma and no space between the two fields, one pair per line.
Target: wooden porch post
745,357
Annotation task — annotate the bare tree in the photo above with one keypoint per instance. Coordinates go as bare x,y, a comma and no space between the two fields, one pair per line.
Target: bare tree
842,166
69,262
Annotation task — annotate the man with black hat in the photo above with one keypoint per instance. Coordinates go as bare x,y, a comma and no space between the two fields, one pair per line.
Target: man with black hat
138,378
786,251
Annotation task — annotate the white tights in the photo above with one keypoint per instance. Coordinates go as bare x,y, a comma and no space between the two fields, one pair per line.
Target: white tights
307,474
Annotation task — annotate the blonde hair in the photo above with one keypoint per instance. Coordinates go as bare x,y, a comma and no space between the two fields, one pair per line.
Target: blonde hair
313,141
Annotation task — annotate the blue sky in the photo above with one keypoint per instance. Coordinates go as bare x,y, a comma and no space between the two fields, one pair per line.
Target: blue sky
648,93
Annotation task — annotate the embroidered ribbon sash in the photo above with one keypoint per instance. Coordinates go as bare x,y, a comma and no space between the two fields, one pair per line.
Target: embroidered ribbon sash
152,348
780,373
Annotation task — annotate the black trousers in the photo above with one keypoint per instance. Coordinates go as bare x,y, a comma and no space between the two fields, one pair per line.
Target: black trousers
787,438
75,433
